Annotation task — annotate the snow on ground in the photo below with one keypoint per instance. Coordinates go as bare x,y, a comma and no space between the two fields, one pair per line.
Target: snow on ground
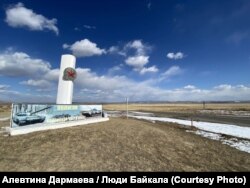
213,136
141,113
115,113
227,129
131,113
215,131
242,145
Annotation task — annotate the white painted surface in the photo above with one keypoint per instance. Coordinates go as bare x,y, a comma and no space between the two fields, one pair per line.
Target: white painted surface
65,88
36,127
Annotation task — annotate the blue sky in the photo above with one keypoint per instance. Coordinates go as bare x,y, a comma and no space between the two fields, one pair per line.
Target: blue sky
157,50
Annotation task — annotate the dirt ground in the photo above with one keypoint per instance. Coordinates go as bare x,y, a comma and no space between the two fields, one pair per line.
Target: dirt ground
119,145
5,110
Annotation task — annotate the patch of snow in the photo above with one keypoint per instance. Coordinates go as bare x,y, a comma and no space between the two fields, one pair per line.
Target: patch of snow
232,130
131,113
212,136
242,145
115,113
227,129
142,113
112,111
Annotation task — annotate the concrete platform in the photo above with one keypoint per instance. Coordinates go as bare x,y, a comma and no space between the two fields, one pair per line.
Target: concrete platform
42,127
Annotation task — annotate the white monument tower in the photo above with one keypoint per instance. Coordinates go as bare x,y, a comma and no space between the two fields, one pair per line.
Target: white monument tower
66,78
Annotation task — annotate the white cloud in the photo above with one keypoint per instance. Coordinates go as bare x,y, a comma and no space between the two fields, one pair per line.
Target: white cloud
84,26
4,87
84,48
90,86
139,47
41,76
137,62
46,82
115,69
90,80
89,27
21,64
37,83
120,87
113,49
15,96
65,46
140,57
136,44
52,75
20,16
175,56
242,87
116,50
132,48
223,87
136,55
152,69
172,71
189,87
8,95
77,29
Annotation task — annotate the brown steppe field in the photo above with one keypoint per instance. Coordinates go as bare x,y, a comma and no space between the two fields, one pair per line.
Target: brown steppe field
176,107
228,113
121,145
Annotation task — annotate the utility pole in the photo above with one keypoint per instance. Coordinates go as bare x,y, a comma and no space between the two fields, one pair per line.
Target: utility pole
127,106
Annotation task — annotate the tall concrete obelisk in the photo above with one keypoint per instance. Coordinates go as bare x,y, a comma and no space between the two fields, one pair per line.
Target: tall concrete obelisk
66,78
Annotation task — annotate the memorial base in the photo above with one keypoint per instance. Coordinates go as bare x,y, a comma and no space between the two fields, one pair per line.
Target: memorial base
42,127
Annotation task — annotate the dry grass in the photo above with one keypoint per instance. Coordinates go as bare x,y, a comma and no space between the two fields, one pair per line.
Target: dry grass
165,107
119,145
4,124
174,107
5,110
